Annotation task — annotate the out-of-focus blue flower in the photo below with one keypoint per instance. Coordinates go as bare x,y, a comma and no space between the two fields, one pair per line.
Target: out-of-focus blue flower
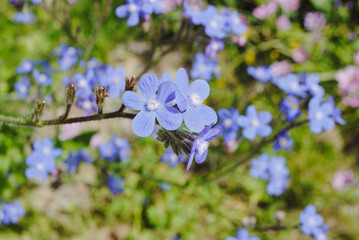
200,145
311,223
152,105
68,58
242,234
165,186
290,107
36,1
195,15
115,148
277,167
319,233
336,113
172,159
132,9
259,167
73,161
277,185
88,105
237,26
23,17
312,83
291,84
22,87
214,23
283,141
189,99
42,160
204,67
25,67
43,79
153,6
114,81
319,115
260,73
12,212
84,84
213,47
254,123
228,118
115,184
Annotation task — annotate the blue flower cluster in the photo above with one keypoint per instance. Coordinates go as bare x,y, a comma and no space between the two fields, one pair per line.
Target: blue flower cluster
115,184
272,169
157,99
23,17
74,159
67,56
252,124
283,141
312,224
136,9
11,212
217,25
171,158
242,234
42,161
322,114
115,148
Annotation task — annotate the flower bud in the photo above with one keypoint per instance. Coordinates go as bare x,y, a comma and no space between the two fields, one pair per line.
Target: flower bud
71,93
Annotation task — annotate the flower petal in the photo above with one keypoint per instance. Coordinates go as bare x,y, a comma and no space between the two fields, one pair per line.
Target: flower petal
243,121
328,123
166,92
144,123
208,114
249,133
121,11
201,157
182,81
193,119
265,117
181,101
148,85
264,130
223,114
201,88
315,127
169,118
133,19
133,100
190,160
212,134
251,112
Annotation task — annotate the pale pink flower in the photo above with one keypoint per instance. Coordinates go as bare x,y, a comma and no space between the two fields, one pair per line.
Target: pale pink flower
69,131
343,179
240,40
266,10
283,23
281,68
289,5
171,5
348,82
299,55
96,141
356,57
314,20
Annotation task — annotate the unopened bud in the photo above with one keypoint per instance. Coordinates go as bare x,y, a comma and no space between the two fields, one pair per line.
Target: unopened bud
101,94
39,107
71,93
130,83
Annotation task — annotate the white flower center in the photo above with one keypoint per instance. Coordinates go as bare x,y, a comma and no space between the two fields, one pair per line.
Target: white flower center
214,24
283,141
42,78
153,105
173,158
27,66
195,99
215,46
132,8
116,80
255,123
227,123
71,51
22,89
259,72
202,146
82,83
39,166
315,88
46,150
319,115
87,105
294,106
294,86
311,221
119,142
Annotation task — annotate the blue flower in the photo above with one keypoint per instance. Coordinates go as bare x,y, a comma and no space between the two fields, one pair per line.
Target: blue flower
68,58
84,84
116,147
213,47
242,234
23,18
153,6
189,99
132,9
43,79
22,87
25,67
277,167
115,81
42,160
195,15
336,113
214,23
204,67
237,26
312,83
12,212
152,106
290,107
283,141
172,159
260,73
311,222
254,123
88,105
291,84
115,184
228,118
277,185
259,167
200,145
319,115
73,161
36,1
